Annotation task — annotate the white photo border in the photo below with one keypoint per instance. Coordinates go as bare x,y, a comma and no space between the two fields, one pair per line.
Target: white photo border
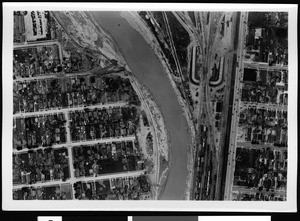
75,205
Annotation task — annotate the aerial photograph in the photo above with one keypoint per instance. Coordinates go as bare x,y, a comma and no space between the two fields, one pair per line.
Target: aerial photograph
150,105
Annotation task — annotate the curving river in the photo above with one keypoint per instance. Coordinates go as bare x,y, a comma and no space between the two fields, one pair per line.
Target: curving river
144,64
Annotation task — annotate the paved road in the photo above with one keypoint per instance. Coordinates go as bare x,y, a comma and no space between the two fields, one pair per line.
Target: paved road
83,142
262,65
235,108
44,43
41,77
85,179
69,144
62,74
259,146
264,106
60,110
244,190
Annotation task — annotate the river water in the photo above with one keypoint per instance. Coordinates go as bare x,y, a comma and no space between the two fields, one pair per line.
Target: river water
144,64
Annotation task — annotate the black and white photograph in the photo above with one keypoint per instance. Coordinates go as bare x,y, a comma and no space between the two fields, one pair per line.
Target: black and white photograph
149,107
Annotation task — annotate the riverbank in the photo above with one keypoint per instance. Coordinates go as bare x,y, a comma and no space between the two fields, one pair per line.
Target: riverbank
156,116
138,24
146,66
152,109
79,25
153,113
121,58
190,178
162,142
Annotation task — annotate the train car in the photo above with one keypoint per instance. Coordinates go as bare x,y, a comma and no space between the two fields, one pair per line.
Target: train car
208,182
221,66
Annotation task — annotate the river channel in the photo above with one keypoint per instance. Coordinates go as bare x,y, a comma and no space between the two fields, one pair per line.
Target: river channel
145,65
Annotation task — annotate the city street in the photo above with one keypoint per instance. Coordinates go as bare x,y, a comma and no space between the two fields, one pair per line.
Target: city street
264,106
64,110
69,143
244,190
85,179
235,108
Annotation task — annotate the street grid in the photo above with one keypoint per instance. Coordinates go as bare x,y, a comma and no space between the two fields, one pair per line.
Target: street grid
69,144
